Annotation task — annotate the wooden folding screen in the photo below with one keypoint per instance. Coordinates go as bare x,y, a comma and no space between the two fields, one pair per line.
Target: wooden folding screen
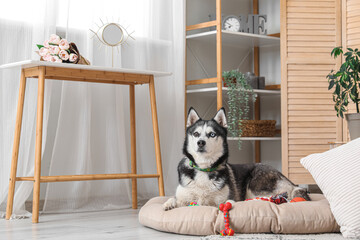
310,29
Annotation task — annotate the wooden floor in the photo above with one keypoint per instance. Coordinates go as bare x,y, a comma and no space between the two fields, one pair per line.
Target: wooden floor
118,224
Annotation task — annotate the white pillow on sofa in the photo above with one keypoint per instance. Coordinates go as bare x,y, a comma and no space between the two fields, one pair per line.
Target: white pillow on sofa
337,173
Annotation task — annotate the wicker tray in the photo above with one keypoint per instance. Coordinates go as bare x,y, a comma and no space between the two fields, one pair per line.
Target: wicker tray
258,128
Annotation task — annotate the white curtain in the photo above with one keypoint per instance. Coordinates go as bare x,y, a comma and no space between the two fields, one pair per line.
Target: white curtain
18,33
87,125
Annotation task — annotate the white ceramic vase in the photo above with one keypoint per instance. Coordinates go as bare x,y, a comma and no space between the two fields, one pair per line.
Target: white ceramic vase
353,120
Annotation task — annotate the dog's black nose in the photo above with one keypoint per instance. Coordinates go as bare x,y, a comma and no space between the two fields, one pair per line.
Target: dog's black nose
201,143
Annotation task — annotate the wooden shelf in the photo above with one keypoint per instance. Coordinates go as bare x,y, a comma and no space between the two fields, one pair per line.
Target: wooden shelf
212,90
254,138
237,39
227,42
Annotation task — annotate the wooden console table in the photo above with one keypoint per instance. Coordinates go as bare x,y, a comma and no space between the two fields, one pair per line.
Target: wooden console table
81,73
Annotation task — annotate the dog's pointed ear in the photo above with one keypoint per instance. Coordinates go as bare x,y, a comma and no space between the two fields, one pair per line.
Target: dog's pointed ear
193,117
220,118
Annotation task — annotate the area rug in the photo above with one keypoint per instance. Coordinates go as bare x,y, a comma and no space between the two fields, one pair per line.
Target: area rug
330,236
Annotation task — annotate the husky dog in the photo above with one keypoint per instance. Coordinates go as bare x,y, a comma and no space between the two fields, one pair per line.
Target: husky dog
205,176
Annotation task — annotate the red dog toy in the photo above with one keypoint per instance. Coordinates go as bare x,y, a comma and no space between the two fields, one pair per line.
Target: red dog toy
297,199
225,209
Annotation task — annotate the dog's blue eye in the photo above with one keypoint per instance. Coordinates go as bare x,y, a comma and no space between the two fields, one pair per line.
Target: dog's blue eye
196,134
212,134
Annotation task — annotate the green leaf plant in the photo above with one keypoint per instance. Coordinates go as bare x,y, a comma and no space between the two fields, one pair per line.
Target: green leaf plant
240,94
346,81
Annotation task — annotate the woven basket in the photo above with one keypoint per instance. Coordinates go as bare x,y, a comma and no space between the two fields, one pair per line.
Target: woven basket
258,128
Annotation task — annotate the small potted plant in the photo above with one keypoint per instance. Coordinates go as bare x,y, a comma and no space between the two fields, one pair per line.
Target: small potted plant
346,82
240,94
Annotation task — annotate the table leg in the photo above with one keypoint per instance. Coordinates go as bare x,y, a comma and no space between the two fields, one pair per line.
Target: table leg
38,144
15,152
156,136
133,145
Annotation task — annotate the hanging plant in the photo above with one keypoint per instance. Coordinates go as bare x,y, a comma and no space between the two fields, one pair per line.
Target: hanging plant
240,95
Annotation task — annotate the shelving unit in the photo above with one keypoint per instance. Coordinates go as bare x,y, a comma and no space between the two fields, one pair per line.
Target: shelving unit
236,40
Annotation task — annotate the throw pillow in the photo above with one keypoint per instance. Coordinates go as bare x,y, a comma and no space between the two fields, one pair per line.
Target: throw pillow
337,173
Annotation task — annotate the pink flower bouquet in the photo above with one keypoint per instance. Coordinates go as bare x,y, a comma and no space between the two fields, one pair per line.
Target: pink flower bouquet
59,50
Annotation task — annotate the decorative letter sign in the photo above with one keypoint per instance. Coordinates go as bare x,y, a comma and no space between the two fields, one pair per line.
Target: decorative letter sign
253,23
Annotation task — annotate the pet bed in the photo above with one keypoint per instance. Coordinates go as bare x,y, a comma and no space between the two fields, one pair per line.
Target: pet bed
245,217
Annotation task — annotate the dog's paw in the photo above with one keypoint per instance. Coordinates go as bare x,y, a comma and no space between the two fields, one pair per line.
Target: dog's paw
169,204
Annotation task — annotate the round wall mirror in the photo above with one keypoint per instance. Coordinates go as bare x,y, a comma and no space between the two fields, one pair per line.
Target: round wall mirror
112,34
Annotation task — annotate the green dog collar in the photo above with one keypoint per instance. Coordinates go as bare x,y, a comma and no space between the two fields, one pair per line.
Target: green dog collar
192,164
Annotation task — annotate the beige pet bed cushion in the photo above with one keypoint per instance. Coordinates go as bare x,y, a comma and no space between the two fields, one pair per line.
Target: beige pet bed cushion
245,217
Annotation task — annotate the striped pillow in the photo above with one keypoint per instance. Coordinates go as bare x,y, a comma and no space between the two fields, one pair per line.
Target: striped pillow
337,173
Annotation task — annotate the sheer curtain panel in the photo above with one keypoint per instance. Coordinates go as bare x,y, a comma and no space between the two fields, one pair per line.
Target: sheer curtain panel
87,125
